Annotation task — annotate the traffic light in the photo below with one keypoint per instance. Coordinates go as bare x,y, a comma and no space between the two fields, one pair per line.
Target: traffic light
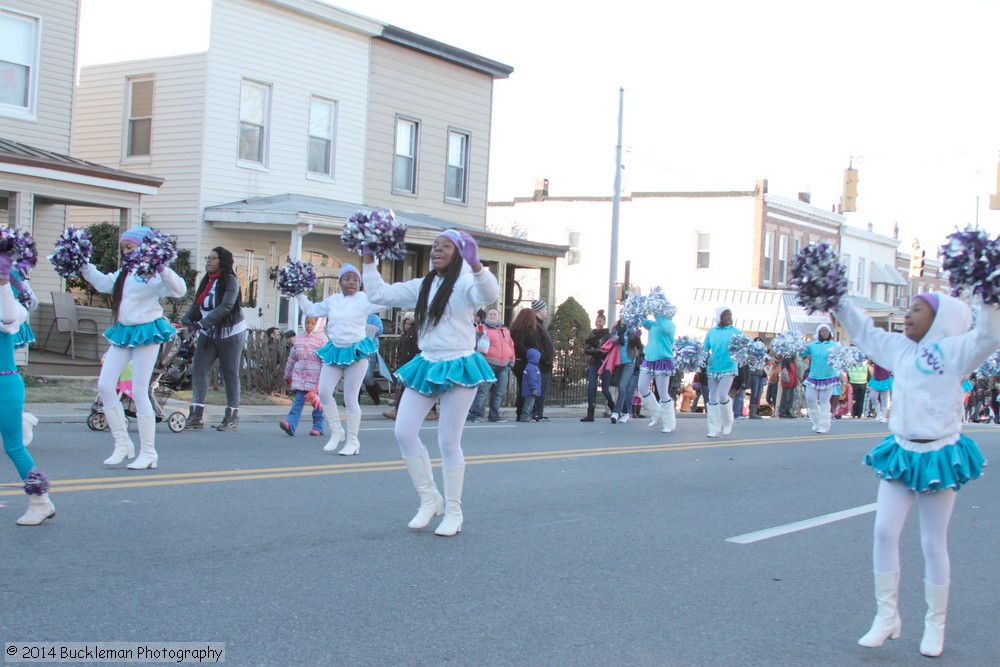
849,202
917,263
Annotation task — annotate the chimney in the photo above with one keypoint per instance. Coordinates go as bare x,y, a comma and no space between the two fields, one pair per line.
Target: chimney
541,189
895,231
871,226
805,197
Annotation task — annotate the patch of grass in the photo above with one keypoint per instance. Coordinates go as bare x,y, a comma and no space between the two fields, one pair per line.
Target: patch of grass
59,390
218,397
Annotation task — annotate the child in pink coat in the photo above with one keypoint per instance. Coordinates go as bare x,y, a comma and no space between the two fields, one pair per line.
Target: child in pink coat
302,374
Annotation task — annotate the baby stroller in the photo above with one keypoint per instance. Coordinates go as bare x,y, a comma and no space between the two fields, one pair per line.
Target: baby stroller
171,368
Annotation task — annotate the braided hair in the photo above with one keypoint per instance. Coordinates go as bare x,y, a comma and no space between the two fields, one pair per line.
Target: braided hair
430,316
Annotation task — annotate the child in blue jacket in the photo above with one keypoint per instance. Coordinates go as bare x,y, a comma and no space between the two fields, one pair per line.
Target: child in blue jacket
531,383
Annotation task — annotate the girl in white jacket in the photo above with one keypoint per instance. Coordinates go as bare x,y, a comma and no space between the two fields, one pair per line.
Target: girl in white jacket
926,459
346,355
448,367
139,328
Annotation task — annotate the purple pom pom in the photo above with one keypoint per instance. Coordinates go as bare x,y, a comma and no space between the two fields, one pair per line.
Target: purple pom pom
739,348
36,483
658,304
845,357
818,277
757,356
689,354
972,262
375,232
145,261
73,251
788,344
990,367
18,243
634,311
295,278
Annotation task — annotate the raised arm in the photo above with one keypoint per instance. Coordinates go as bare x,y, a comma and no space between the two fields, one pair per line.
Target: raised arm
403,295
102,282
878,345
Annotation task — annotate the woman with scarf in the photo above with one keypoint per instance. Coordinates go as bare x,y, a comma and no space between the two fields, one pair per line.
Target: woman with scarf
216,317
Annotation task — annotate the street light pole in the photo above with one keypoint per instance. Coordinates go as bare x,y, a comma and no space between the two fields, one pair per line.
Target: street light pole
616,200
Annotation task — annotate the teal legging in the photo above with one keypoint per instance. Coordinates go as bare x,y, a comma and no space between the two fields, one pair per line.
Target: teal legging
12,389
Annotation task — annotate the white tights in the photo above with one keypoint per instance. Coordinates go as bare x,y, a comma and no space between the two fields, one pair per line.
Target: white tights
821,396
662,386
353,376
413,408
717,388
893,504
143,360
880,399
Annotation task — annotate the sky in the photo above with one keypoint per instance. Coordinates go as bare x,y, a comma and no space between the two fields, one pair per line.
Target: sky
716,95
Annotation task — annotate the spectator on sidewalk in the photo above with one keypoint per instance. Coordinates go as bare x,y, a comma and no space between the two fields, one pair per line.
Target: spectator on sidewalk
499,353
302,369
531,384
547,352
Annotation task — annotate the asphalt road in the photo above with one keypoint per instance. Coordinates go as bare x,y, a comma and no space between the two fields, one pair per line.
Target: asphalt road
584,544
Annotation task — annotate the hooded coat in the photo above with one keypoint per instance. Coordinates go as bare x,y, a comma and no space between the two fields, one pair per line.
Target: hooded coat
927,393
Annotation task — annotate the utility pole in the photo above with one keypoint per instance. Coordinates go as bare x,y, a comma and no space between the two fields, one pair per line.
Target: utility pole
616,201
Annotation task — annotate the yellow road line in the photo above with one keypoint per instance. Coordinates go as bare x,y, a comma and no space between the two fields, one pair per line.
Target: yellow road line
170,479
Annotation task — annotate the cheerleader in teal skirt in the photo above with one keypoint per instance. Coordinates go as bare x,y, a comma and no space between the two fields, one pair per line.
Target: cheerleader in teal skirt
926,459
447,368
139,328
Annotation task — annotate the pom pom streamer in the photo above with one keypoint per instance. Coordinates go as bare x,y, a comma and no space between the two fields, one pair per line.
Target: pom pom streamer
73,251
972,262
658,304
145,261
788,344
739,348
634,311
36,483
18,243
845,357
376,232
295,278
689,354
757,356
990,367
818,277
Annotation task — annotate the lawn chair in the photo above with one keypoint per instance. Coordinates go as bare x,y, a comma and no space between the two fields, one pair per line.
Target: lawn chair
67,321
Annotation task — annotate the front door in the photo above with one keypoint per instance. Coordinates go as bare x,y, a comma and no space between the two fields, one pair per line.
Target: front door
252,275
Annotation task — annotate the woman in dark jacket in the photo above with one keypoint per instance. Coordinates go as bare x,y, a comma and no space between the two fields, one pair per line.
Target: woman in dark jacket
524,332
216,317
407,350
592,346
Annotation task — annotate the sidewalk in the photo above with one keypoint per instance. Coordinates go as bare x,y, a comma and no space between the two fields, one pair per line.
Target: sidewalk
70,413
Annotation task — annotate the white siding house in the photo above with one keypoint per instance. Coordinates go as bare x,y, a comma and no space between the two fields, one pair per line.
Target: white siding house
270,140
40,182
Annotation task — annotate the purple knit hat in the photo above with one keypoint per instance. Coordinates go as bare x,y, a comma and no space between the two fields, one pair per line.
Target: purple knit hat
931,300
348,268
136,235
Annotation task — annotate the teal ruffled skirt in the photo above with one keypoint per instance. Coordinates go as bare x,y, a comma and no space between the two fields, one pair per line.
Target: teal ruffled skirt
24,336
137,335
880,385
926,472
342,357
432,378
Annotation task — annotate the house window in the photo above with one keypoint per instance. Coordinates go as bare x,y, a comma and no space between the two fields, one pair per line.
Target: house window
768,253
322,123
254,110
140,117
404,165
782,259
796,247
20,39
704,250
861,275
458,166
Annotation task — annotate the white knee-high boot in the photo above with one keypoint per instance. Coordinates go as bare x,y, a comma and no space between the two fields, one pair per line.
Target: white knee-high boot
451,524
28,424
932,643
824,421
726,413
653,408
887,623
714,416
124,448
668,417
814,415
148,457
431,501
352,446
332,426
